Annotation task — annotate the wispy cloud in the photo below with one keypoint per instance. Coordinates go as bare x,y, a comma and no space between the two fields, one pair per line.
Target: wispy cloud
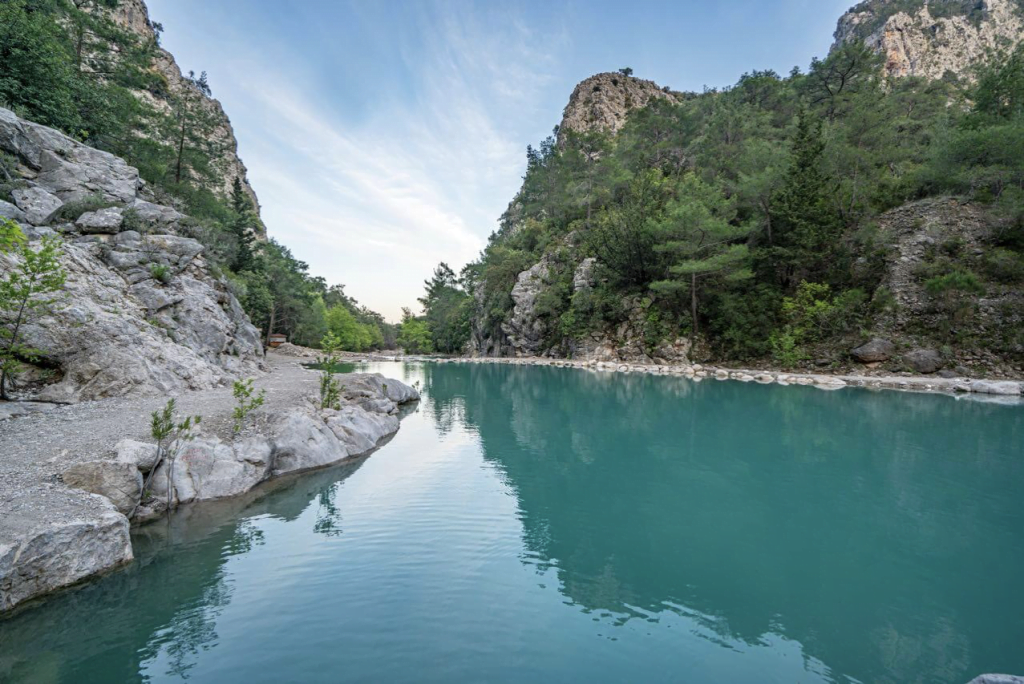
377,204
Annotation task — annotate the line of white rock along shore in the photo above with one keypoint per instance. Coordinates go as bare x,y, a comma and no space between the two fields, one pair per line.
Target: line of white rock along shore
1005,388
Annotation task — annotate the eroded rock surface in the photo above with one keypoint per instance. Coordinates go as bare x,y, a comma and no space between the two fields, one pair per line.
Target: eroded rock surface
933,40
140,313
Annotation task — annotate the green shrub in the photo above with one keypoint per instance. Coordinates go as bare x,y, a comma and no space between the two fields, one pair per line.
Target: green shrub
955,293
246,403
786,348
160,272
75,208
1003,265
130,220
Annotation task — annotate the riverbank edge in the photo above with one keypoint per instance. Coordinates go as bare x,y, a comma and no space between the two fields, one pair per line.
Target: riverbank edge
42,554
952,386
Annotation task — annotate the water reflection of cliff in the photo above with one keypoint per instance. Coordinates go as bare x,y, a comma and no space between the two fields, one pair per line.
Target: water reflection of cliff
168,600
881,530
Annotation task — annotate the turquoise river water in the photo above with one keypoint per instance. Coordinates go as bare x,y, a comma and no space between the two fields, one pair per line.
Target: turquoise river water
552,525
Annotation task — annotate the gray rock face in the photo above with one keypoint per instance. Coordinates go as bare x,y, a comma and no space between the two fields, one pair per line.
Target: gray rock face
37,204
119,482
102,221
66,167
526,331
156,215
583,278
997,679
40,553
359,430
376,385
874,351
603,101
916,42
11,211
117,330
207,468
923,360
1010,388
302,441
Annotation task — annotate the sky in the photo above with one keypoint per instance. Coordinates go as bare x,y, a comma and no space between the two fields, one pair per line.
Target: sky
385,136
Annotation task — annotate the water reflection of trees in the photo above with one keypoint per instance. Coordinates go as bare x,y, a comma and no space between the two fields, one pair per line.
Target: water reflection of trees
167,601
856,523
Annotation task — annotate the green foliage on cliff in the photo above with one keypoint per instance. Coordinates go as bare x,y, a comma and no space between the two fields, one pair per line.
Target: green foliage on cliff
729,209
69,66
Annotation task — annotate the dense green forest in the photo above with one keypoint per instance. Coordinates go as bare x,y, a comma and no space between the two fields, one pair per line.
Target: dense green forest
746,216
69,66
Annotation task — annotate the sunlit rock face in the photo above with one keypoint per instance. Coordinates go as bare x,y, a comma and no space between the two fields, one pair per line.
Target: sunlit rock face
603,101
933,39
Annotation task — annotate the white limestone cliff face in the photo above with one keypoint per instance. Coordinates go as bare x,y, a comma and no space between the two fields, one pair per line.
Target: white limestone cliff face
119,329
603,102
133,15
936,38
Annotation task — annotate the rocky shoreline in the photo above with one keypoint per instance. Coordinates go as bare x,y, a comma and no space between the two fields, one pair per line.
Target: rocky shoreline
72,486
961,385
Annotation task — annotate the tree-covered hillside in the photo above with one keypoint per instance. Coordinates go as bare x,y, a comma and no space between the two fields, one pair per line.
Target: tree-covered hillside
70,66
750,219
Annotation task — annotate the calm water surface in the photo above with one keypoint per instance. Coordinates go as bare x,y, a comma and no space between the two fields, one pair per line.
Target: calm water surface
551,525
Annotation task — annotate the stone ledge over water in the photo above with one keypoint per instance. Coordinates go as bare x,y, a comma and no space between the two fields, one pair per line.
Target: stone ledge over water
54,535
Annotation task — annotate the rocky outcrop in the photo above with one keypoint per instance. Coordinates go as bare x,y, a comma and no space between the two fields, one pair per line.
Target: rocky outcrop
56,536
208,467
527,332
41,551
140,313
133,16
933,39
603,102
933,237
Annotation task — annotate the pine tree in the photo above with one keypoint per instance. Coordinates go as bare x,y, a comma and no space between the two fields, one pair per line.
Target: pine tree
242,227
805,226
702,236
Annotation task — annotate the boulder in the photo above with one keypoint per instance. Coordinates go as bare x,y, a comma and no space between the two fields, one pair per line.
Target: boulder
302,441
997,679
207,468
377,386
923,360
874,351
120,482
11,211
101,221
156,215
359,430
37,204
1002,387
140,454
53,539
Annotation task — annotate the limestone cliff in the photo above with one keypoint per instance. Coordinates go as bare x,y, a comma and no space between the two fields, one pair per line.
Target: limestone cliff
133,16
141,312
603,101
933,38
